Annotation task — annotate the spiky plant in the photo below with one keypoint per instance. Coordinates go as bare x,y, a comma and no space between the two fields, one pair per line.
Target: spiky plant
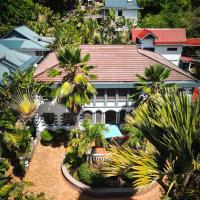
26,104
171,123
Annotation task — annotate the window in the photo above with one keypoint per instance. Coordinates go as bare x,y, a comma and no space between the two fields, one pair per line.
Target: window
120,13
87,115
98,117
67,119
49,118
172,49
129,1
149,49
111,94
122,94
100,95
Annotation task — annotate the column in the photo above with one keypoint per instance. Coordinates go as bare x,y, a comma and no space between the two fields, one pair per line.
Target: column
117,117
94,118
127,98
105,98
117,98
94,100
103,118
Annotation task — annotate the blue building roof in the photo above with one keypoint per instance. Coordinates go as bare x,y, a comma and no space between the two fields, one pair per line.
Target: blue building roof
11,60
22,44
121,4
27,33
112,131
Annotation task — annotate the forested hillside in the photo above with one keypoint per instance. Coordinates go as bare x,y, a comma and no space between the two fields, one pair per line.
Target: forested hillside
46,17
171,14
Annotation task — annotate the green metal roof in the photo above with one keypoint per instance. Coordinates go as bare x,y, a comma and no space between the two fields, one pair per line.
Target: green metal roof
19,43
14,60
31,35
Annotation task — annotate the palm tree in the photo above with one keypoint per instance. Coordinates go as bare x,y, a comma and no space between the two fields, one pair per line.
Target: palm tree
75,89
171,125
81,141
152,81
89,133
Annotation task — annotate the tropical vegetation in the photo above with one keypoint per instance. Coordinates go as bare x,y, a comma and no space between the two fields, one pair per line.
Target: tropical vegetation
75,90
151,82
170,123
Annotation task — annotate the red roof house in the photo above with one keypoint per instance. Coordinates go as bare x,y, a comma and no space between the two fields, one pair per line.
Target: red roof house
162,36
115,63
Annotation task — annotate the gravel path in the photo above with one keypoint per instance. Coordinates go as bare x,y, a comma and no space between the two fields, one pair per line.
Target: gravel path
45,173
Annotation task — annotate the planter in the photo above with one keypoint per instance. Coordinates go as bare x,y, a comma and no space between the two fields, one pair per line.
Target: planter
104,192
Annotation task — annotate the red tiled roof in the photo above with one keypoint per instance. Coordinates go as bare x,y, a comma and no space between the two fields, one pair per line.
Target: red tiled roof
193,42
115,63
164,36
145,33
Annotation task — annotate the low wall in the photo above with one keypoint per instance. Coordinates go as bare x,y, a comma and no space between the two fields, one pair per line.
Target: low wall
103,192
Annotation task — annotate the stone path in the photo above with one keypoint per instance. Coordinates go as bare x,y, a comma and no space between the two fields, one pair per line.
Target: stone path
45,173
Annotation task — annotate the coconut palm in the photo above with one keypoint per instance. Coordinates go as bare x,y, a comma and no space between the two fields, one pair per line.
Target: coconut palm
75,89
171,125
152,81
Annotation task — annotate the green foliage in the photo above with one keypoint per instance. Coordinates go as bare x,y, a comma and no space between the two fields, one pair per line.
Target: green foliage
90,175
152,81
81,141
46,136
18,141
14,13
75,89
170,122
44,21
135,136
183,14
60,135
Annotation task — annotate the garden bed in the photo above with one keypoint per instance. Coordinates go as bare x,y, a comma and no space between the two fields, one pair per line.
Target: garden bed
96,192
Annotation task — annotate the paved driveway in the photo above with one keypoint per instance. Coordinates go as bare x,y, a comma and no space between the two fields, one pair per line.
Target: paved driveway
45,173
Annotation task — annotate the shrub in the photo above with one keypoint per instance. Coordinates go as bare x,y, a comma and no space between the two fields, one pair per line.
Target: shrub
46,136
85,173
61,135
90,175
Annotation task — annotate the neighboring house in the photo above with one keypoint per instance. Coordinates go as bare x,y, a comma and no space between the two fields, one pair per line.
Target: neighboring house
11,60
127,8
116,70
167,42
24,40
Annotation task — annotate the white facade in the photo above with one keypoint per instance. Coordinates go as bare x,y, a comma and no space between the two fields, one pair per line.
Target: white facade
170,52
126,8
102,109
128,14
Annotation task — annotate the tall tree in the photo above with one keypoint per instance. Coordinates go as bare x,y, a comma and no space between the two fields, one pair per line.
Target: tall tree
75,89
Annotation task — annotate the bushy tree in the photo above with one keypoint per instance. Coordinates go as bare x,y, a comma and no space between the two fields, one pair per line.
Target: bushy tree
170,122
